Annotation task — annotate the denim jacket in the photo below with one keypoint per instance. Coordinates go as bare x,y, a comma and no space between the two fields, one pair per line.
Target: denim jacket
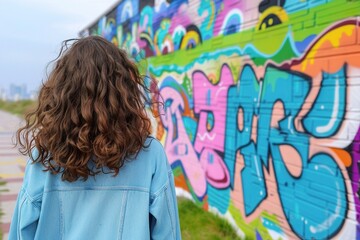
139,203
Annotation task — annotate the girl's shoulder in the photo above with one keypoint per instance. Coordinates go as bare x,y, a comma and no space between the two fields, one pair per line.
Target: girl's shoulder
34,176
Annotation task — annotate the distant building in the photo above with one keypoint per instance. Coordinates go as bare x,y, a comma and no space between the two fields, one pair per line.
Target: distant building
18,92
3,95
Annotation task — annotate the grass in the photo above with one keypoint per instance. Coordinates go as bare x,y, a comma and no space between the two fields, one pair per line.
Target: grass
199,224
19,108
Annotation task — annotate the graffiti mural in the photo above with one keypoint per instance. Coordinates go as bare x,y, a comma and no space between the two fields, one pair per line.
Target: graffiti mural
261,116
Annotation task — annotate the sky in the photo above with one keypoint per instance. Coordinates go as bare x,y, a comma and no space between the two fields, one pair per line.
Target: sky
32,31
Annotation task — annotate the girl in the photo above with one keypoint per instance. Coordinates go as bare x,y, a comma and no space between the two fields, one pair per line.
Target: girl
94,172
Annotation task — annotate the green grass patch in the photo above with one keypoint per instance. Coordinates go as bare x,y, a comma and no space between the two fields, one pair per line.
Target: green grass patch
19,108
196,223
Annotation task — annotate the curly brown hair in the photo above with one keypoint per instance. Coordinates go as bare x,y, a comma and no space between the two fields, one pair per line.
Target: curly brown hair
90,108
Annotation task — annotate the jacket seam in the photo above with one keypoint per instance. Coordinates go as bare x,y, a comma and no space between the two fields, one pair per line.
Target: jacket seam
158,193
19,217
62,226
137,189
170,213
162,188
123,207
32,200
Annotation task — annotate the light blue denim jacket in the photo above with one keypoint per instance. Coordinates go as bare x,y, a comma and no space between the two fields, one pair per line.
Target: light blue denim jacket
139,203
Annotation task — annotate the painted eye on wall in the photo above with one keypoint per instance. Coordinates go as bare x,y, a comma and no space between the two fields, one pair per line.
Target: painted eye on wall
269,21
192,38
271,17
232,22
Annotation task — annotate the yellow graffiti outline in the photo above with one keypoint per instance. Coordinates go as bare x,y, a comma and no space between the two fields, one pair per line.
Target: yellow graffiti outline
276,10
189,35
111,20
333,37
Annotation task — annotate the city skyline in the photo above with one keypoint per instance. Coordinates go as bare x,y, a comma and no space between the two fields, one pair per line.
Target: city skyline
16,92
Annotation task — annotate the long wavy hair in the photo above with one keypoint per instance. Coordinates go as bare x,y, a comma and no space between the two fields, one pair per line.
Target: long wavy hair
90,108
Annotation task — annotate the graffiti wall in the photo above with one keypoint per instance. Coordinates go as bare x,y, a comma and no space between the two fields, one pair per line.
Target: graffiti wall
262,107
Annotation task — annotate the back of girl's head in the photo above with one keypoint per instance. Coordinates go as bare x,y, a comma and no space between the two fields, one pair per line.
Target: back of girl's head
90,107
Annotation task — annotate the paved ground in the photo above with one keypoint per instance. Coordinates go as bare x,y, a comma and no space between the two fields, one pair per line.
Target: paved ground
12,165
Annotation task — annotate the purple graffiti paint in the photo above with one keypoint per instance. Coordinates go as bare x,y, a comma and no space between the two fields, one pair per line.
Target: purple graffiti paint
258,236
355,176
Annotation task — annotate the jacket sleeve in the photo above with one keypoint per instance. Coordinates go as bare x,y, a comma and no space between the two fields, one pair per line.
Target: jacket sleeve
164,217
27,210
24,222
